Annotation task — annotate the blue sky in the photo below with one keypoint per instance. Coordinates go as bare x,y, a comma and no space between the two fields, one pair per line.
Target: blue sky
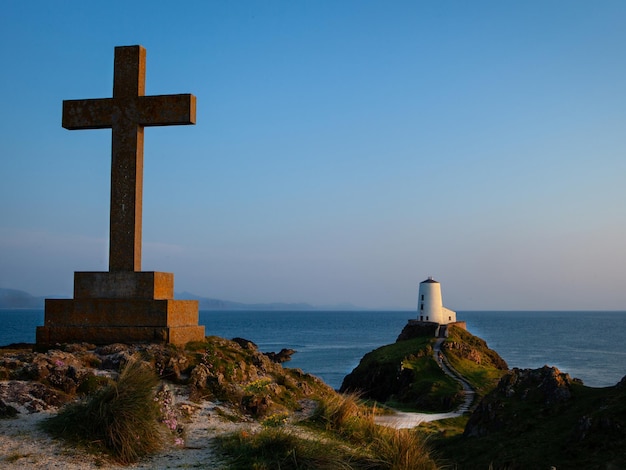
343,151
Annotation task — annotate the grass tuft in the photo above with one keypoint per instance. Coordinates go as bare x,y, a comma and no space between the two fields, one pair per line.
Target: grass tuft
337,412
121,418
401,449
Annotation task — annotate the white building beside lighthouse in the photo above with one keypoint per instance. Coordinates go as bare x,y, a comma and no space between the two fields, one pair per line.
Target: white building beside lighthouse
430,304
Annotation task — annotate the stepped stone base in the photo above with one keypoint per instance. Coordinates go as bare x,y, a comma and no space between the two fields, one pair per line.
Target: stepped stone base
120,307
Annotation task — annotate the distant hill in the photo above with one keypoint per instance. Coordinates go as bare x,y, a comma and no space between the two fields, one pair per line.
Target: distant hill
13,298
206,303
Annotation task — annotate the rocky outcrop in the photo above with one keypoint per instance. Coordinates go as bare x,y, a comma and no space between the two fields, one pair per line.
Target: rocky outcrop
7,411
230,371
284,355
542,418
541,389
414,329
464,345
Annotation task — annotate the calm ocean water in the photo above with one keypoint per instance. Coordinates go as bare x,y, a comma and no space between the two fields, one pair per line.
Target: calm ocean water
587,345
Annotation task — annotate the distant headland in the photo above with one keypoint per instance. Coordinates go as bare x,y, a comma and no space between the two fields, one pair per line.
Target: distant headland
14,298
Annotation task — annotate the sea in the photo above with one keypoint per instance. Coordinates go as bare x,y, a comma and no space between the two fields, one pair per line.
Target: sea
590,345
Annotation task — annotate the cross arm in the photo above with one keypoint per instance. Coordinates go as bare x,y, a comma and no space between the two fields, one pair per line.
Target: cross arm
88,114
166,110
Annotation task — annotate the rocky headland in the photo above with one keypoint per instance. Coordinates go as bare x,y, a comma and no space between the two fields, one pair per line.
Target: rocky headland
520,418
408,374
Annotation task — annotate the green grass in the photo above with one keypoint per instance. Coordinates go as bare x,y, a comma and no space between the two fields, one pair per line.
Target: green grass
431,389
483,376
396,352
405,374
121,418
444,428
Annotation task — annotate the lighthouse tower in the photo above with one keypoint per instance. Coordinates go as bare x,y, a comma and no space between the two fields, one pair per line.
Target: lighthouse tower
430,305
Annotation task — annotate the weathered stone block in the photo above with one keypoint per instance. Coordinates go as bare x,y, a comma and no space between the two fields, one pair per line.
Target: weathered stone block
48,336
123,285
121,312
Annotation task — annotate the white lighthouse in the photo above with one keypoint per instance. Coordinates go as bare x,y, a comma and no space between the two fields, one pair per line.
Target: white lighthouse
430,305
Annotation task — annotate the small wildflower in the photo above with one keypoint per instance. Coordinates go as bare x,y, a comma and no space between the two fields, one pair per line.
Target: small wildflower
168,413
257,386
275,420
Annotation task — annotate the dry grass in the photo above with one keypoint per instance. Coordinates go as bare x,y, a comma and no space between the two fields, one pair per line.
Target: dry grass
401,449
347,438
122,418
397,449
279,448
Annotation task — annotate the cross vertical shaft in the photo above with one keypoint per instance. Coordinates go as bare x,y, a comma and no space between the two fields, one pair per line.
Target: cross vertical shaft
125,228
126,114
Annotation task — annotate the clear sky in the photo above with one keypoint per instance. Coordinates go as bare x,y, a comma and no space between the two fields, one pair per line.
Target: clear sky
344,151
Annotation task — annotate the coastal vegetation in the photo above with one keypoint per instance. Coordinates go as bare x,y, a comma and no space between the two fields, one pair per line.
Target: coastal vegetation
340,434
470,356
404,375
123,403
530,418
117,402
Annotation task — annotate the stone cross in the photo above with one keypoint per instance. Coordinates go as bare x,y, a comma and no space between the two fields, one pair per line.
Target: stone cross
127,113
124,304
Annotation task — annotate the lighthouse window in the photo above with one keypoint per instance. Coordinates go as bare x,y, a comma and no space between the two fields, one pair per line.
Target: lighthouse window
422,296
449,318
426,318
421,306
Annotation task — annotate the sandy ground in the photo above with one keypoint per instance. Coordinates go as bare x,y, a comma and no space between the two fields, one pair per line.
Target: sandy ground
24,446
